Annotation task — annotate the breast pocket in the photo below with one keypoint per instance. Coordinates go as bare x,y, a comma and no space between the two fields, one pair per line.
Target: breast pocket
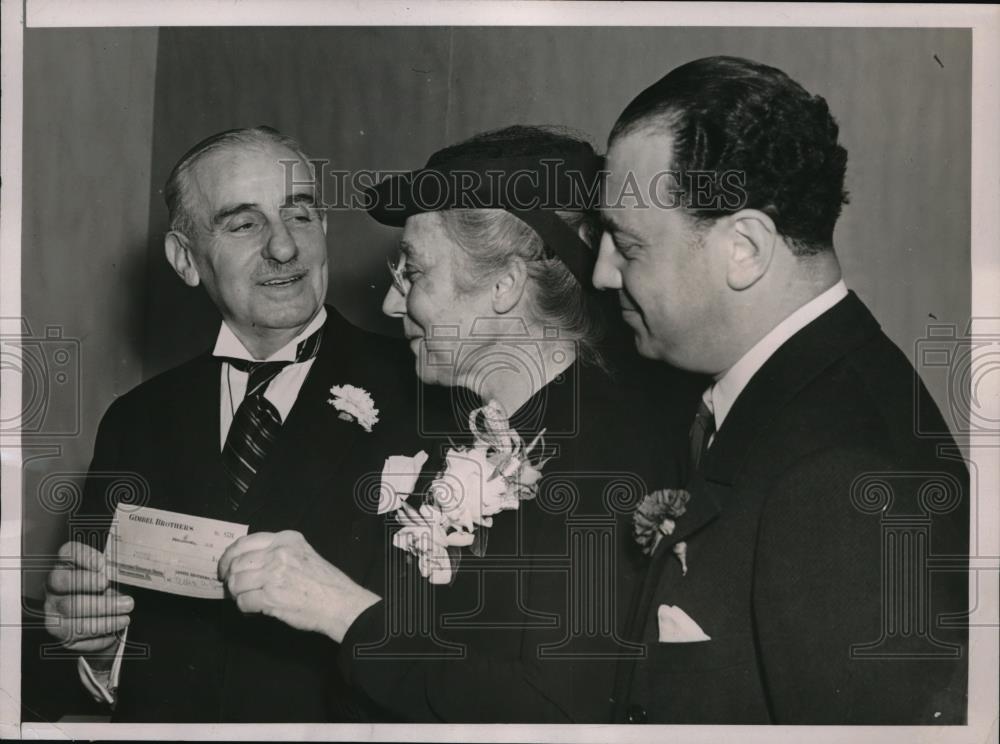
714,681
720,652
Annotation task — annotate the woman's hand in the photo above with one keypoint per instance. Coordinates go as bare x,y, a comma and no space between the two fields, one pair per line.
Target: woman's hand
281,575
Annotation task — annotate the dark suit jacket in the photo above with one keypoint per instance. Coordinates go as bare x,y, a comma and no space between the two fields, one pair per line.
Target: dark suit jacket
529,632
821,605
201,660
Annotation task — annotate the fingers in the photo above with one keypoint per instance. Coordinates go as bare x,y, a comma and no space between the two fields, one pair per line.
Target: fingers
289,537
63,580
81,616
252,601
91,605
83,556
93,645
248,562
241,582
255,546
246,544
72,631
80,569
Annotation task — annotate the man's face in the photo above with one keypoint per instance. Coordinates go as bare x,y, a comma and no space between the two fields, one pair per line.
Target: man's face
663,270
437,317
259,250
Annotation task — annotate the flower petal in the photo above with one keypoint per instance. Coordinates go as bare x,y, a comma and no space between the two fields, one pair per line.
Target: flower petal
399,476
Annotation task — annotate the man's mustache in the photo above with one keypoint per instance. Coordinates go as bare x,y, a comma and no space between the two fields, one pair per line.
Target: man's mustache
275,270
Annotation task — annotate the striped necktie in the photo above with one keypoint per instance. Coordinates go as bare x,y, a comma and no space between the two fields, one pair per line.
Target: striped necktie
702,430
256,422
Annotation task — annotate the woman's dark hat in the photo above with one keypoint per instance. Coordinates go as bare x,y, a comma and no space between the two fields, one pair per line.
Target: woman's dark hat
531,188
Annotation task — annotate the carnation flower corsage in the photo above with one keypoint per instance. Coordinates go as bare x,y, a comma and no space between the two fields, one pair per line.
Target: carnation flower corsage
478,482
654,518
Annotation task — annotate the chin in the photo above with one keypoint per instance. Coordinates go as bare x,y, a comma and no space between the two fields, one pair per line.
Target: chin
424,373
430,378
289,315
645,346
433,374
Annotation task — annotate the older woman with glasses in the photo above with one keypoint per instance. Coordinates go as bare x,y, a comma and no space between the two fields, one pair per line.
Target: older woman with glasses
508,559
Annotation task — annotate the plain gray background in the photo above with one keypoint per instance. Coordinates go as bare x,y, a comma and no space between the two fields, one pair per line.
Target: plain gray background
108,111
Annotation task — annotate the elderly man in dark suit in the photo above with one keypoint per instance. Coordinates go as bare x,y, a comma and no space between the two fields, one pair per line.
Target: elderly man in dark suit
244,433
790,583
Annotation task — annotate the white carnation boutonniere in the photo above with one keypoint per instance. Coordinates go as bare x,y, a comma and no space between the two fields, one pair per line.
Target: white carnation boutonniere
654,518
478,482
354,404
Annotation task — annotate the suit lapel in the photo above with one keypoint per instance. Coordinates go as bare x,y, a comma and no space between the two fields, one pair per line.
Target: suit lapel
194,438
707,502
793,366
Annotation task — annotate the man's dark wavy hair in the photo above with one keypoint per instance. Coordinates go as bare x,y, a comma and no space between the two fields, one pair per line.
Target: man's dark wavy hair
732,114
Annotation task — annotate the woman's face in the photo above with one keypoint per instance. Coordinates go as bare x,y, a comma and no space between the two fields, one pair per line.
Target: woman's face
438,319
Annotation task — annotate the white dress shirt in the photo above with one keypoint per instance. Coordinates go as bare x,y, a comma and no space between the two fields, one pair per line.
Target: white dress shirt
284,388
281,392
731,383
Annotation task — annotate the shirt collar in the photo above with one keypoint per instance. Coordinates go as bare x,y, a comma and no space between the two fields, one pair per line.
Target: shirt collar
227,344
728,387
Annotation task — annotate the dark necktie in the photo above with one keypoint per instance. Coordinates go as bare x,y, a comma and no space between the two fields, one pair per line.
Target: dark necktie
256,422
701,430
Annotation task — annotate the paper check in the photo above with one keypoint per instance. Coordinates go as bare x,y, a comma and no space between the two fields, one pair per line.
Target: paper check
167,551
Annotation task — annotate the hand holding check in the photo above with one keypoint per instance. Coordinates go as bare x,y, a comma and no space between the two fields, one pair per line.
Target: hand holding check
281,575
81,609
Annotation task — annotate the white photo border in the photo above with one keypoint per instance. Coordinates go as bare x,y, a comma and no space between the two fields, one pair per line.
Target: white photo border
985,220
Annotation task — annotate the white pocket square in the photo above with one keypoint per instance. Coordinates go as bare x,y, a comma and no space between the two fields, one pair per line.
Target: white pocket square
676,626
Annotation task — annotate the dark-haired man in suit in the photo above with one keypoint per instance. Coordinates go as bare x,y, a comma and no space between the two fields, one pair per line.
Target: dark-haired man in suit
783,591
244,433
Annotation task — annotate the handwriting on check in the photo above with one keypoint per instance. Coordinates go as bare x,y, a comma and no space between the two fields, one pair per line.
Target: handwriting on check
169,552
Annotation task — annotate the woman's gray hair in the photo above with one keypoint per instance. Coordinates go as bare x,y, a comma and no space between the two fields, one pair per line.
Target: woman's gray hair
491,238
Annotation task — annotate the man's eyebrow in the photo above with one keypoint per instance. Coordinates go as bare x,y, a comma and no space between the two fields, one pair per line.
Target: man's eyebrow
226,212
301,198
609,225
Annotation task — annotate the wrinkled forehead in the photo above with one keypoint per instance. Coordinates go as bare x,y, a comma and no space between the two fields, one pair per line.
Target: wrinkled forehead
251,173
425,238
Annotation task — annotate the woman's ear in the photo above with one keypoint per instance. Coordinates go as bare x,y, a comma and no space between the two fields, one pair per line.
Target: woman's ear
509,286
754,238
178,250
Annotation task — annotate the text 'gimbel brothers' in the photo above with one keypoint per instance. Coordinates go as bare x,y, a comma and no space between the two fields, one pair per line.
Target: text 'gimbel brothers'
157,522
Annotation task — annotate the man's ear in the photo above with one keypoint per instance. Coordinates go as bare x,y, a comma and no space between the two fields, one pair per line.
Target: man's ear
509,286
322,220
178,250
754,238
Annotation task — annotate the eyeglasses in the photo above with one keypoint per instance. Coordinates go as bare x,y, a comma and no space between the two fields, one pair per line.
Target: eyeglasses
399,280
